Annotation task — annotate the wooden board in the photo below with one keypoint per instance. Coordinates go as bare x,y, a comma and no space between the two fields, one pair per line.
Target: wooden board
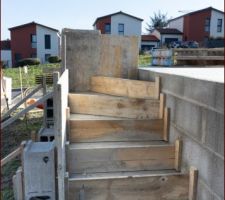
100,129
125,87
95,104
125,156
195,57
166,187
193,183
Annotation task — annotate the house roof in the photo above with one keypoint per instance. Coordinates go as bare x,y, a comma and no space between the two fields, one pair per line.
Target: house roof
197,11
117,13
169,31
32,23
5,45
149,38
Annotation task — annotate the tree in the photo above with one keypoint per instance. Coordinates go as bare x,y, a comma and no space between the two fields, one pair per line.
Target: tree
157,21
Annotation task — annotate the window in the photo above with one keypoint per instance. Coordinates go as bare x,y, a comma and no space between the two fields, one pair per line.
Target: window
107,28
46,57
121,29
33,40
219,25
47,42
207,24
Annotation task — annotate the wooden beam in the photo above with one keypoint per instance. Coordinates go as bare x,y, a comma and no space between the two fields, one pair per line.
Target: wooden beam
166,123
125,87
97,104
157,87
193,183
67,123
161,105
178,154
11,156
199,57
24,111
21,102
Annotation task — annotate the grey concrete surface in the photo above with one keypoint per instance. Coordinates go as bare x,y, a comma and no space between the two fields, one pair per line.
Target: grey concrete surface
197,116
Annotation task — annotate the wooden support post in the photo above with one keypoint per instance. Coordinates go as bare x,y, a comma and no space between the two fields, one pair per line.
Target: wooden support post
193,182
178,154
66,185
161,106
157,87
67,123
33,136
18,185
166,123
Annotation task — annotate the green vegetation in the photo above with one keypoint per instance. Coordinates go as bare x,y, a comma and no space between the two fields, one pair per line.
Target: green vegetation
144,60
54,59
28,61
28,80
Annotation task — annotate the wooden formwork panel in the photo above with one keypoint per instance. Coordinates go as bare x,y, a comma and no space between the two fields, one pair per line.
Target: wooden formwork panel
125,87
95,104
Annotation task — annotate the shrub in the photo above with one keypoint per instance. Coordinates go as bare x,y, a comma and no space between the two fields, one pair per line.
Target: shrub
28,61
54,59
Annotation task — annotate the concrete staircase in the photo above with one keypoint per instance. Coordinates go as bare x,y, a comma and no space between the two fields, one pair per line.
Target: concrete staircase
118,144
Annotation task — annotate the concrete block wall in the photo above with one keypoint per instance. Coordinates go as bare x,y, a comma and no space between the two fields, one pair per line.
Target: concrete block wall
197,116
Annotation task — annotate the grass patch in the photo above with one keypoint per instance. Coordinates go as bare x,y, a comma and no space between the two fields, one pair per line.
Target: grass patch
28,80
144,60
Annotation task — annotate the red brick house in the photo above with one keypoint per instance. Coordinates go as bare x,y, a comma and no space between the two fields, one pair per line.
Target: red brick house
200,25
33,40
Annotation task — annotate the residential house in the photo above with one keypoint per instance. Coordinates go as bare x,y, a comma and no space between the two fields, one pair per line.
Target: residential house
6,57
200,25
148,42
34,40
119,23
167,35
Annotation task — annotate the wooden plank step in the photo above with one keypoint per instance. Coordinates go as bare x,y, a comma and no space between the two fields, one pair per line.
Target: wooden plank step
125,87
120,156
144,185
92,128
106,105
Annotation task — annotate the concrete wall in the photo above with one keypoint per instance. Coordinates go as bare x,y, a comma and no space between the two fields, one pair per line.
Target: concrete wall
213,24
6,57
177,23
197,116
87,53
41,51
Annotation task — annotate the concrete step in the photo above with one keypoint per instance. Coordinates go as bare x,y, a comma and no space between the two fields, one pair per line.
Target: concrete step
120,156
125,87
106,105
93,128
143,185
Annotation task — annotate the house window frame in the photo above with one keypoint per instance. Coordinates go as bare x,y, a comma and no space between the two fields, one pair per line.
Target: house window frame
33,40
219,25
47,44
121,31
207,25
107,28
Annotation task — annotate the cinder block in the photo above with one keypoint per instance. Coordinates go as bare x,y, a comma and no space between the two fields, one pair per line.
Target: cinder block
188,116
203,193
200,91
219,97
213,130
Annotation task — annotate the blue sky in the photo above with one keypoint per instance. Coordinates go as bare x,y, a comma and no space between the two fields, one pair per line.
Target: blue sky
80,14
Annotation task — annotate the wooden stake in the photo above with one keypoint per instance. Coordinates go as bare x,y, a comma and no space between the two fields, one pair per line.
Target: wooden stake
166,122
178,154
33,136
157,87
161,106
193,182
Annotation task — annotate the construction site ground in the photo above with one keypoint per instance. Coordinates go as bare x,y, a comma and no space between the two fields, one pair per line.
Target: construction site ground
11,138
